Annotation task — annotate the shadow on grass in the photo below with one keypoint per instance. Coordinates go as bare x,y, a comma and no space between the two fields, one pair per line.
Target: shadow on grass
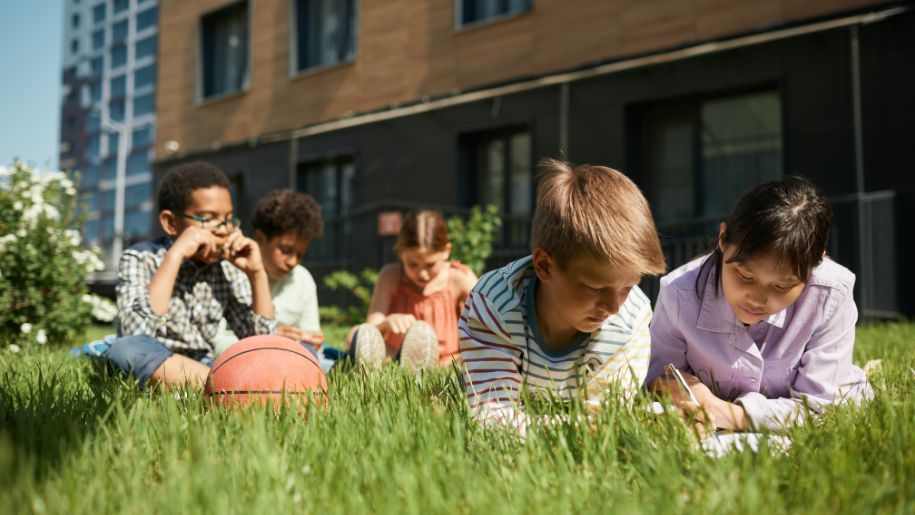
48,408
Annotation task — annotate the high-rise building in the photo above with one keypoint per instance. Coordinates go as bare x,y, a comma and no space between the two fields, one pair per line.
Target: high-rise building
108,117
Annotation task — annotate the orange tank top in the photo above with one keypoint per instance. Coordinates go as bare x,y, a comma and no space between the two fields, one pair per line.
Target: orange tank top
439,309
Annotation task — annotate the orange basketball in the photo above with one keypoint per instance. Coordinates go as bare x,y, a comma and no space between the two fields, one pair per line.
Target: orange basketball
265,369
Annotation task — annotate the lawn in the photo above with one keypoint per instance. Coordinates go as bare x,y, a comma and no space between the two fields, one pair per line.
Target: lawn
74,440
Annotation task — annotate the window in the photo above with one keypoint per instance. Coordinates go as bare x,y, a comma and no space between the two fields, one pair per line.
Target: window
106,200
145,47
137,224
74,21
93,148
96,64
90,231
148,18
325,32
98,39
74,46
145,104
332,184
113,140
497,170
116,109
98,13
142,136
144,77
699,156
89,177
95,91
137,194
108,169
225,50
119,6
106,229
138,163
118,86
119,32
118,56
477,11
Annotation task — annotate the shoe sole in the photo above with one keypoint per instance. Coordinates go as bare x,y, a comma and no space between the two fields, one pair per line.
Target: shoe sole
370,348
420,348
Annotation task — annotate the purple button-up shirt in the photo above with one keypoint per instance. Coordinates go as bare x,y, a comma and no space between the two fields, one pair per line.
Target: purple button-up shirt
796,362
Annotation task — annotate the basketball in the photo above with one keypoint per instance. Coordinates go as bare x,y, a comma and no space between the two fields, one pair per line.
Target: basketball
265,369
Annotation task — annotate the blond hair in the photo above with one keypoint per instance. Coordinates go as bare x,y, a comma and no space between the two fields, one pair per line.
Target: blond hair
595,210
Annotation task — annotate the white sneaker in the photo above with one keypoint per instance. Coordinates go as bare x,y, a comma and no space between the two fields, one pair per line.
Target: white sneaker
370,349
420,347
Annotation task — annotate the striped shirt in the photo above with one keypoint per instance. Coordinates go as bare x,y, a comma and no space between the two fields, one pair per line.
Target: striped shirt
501,355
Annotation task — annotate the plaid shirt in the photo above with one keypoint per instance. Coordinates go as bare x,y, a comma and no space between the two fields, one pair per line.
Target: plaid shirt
203,296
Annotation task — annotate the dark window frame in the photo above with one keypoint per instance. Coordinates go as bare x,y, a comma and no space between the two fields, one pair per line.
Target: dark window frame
460,15
295,58
202,94
337,223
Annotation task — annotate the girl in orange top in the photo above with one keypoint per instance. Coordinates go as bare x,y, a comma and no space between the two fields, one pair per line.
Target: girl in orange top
416,302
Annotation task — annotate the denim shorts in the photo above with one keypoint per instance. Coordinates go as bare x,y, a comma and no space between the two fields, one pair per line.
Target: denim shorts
140,355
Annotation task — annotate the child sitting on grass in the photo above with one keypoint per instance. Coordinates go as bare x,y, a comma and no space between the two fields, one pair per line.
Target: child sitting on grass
285,224
569,317
416,302
763,328
173,293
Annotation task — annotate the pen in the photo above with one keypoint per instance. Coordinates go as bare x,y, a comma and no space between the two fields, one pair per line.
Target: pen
672,370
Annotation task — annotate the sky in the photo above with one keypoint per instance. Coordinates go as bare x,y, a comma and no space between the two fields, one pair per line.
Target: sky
30,71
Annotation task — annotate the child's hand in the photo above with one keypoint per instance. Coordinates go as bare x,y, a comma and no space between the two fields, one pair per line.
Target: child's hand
314,339
197,242
244,253
397,323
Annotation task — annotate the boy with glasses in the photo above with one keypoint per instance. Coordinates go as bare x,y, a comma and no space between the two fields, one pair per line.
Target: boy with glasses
174,293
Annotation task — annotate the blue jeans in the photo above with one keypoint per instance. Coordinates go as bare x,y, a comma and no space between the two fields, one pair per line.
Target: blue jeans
140,355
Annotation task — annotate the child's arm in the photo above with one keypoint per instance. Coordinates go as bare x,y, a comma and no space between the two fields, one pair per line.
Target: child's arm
381,302
825,362
492,377
252,312
667,345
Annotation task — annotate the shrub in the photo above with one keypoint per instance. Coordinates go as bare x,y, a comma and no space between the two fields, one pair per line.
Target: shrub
43,267
472,239
359,286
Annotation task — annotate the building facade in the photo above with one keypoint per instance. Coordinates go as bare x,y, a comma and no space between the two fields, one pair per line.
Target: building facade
375,106
108,120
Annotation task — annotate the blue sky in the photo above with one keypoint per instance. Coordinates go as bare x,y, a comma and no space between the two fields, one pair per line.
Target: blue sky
30,46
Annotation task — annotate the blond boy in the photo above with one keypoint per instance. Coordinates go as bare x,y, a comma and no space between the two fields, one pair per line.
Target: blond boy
569,317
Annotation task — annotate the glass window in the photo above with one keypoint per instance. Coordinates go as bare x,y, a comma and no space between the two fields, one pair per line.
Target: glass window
137,194
148,18
74,20
146,47
113,140
119,6
116,109
119,32
98,39
89,177
138,163
144,77
137,224
98,13
501,174
701,156
74,46
325,32
93,121
474,11
106,200
118,86
225,50
96,64
118,56
95,91
106,229
142,136
108,169
332,184
90,231
145,104
93,147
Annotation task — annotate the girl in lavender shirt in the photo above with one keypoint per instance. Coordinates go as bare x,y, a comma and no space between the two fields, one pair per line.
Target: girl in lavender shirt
762,328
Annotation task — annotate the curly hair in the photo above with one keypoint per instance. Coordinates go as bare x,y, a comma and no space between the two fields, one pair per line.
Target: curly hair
179,183
283,211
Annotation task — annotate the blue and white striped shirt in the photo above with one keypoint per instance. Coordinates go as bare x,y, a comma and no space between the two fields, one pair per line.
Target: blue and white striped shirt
501,355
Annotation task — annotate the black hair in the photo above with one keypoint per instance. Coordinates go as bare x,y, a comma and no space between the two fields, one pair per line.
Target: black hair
179,183
788,217
282,211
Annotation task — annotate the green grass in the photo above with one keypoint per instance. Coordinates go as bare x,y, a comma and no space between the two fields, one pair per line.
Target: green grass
74,440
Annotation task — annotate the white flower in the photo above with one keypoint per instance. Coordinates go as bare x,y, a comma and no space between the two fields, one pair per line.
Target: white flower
21,233
26,328
14,348
17,205
73,236
41,337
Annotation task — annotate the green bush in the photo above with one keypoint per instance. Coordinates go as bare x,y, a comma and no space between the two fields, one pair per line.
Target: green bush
43,267
359,286
472,239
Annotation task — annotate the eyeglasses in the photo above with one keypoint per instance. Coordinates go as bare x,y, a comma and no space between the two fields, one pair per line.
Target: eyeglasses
212,223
